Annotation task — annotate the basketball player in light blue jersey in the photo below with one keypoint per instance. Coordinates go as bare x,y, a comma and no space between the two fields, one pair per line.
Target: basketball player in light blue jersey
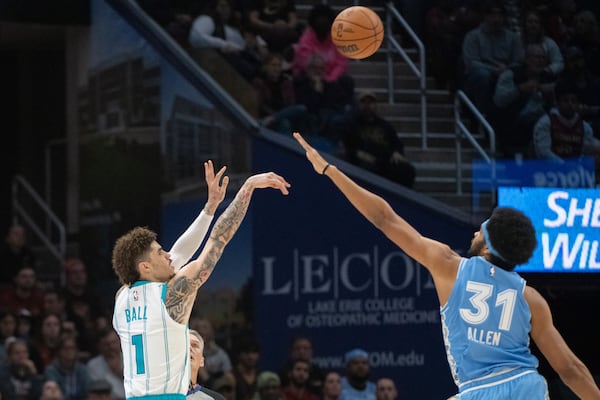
488,312
153,307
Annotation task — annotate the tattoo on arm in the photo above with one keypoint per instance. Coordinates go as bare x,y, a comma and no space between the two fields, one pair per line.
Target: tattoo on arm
229,222
181,293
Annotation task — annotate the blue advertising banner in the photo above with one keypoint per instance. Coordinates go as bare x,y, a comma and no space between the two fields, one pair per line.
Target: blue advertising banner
566,223
572,173
322,270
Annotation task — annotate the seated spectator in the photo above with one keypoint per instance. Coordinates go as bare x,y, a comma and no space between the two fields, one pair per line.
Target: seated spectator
99,389
19,377
533,33
562,133
316,39
245,369
487,51
216,359
221,30
46,340
83,305
446,24
302,349
268,387
587,85
276,97
26,293
371,142
108,364
523,94
54,303
356,384
51,391
15,253
586,36
327,102
71,375
560,21
385,389
226,386
8,330
276,21
332,386
297,387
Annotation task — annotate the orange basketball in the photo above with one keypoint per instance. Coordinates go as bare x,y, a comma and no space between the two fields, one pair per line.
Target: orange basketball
357,32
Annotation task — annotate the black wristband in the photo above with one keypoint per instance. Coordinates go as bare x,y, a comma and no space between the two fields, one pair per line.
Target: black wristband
325,169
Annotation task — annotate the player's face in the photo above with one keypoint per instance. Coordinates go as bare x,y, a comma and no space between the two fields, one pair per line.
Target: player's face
160,260
476,244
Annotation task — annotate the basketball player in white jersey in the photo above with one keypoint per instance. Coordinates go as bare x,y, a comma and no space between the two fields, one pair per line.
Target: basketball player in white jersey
488,312
153,307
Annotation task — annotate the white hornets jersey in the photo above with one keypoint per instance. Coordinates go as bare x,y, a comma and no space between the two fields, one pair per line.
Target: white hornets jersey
154,346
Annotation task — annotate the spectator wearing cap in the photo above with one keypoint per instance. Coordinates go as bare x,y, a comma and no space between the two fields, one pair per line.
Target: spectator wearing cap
356,384
268,387
372,142
99,389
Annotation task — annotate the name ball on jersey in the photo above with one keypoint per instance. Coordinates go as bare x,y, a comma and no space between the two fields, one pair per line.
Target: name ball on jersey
357,32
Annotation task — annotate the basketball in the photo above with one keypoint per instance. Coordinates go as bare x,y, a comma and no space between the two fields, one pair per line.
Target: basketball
357,32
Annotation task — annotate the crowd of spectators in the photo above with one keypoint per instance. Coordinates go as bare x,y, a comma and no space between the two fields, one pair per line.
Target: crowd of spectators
302,82
511,72
533,71
57,343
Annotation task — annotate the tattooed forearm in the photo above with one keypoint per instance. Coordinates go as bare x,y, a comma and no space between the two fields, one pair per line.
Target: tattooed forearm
181,294
232,217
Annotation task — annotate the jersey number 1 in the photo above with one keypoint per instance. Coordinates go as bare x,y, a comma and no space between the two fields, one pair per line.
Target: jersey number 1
138,343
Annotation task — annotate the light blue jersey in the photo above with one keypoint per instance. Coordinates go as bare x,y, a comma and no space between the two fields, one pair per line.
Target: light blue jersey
486,325
156,359
350,393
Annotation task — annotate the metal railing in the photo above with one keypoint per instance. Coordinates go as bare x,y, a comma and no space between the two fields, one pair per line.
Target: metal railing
418,70
461,131
25,203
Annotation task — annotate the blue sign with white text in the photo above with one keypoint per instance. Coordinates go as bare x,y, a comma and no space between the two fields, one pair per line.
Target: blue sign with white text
567,223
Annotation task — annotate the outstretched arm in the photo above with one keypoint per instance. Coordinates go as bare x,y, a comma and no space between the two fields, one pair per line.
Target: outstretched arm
182,288
571,370
187,244
437,257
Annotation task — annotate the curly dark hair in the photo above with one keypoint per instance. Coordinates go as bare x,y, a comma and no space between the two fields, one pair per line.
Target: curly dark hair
129,251
512,234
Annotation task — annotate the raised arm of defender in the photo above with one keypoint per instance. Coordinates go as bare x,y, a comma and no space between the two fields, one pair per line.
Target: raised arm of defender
437,257
182,288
